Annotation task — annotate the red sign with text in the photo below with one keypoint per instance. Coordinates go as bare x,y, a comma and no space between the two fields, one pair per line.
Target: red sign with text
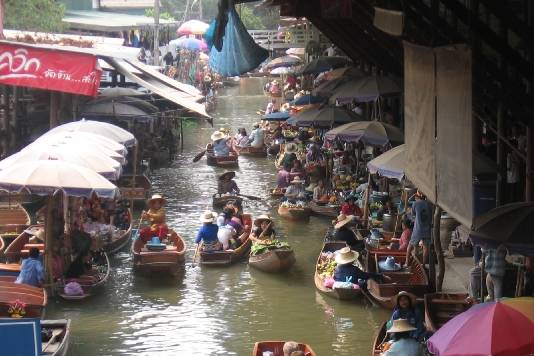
42,68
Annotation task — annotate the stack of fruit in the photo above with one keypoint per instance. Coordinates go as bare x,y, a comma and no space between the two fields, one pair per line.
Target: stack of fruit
289,205
326,265
344,182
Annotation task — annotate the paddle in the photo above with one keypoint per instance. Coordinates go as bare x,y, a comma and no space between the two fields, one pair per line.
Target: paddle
251,197
55,334
196,253
199,156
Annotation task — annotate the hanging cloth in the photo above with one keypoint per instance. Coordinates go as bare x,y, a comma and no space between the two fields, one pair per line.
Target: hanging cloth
239,53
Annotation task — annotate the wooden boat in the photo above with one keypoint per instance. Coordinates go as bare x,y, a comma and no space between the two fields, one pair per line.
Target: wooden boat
373,256
9,269
221,161
276,347
13,219
338,293
20,247
35,299
251,151
117,244
219,201
59,345
294,213
169,261
142,189
414,281
228,257
273,261
98,277
325,209
442,307
379,340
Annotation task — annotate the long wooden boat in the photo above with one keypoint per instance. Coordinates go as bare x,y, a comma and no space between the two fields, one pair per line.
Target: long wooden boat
338,293
273,261
414,281
138,194
13,219
228,257
60,343
380,338
169,261
35,299
89,282
251,151
20,247
276,347
442,307
373,256
117,244
325,209
221,161
294,213
9,269
219,201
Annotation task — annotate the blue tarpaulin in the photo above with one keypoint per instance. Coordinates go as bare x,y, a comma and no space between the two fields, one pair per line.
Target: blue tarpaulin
21,337
277,116
309,99
239,53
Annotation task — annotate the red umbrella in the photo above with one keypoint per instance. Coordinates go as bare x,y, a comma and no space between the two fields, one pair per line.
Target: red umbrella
193,27
496,328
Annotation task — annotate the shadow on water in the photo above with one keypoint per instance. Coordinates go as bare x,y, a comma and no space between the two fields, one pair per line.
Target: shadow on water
218,311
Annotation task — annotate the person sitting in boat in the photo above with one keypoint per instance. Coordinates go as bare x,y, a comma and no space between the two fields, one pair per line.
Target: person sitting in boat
227,184
402,343
405,309
295,190
227,236
401,244
349,207
347,271
344,233
283,178
290,154
257,137
271,107
298,170
319,191
220,144
263,230
228,220
80,266
31,270
207,234
290,347
313,153
387,208
156,216
241,139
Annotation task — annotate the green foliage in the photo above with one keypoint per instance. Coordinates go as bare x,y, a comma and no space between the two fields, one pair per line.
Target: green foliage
249,19
165,15
34,15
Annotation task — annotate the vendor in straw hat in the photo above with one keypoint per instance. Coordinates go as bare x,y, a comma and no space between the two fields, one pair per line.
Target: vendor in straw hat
156,216
207,234
220,144
405,309
347,270
227,184
263,229
290,154
402,343
343,232
296,189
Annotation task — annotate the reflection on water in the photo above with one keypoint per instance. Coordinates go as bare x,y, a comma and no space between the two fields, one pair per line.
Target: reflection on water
218,311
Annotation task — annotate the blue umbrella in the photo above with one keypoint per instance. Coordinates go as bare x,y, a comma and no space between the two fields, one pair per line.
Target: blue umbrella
277,116
309,99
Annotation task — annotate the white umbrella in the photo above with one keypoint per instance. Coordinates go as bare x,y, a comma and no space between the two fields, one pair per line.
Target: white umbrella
119,91
110,131
390,163
48,177
73,144
83,155
77,136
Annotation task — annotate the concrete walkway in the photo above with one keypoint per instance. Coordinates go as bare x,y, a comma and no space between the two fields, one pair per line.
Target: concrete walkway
457,274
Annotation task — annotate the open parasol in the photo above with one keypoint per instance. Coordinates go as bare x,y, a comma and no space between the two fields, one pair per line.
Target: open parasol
390,163
323,117
192,27
373,133
365,89
323,64
110,131
284,61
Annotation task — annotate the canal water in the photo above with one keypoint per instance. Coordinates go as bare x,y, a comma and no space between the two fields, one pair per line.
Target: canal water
219,311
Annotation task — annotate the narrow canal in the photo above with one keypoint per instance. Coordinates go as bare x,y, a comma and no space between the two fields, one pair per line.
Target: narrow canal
219,311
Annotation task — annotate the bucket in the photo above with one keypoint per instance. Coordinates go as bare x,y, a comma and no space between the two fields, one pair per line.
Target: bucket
388,222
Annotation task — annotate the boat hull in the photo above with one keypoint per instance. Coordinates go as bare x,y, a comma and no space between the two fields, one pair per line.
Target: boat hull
276,347
442,307
324,210
170,261
61,346
294,214
273,261
251,151
138,194
35,299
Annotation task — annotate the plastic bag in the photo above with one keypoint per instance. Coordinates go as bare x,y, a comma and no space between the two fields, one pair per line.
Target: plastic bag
73,288
328,282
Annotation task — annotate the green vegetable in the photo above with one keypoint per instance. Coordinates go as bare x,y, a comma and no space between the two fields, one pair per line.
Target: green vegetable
259,248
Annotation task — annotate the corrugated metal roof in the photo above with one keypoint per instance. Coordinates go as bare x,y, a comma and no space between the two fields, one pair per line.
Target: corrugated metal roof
108,21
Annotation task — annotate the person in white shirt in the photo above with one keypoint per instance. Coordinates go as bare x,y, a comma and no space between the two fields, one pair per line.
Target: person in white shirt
257,136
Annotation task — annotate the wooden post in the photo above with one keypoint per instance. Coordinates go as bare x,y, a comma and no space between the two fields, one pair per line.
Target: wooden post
482,279
54,109
366,201
49,241
529,164
181,135
500,157
437,247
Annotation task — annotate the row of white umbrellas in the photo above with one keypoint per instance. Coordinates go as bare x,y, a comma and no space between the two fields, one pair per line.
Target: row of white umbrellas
77,158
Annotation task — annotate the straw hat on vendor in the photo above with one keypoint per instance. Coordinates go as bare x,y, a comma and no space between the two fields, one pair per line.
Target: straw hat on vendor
262,218
208,217
389,264
401,326
227,175
403,294
342,220
346,255
156,198
297,180
291,148
218,135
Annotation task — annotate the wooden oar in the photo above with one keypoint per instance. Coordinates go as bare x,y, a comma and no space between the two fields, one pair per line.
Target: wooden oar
55,334
199,156
251,197
139,225
196,253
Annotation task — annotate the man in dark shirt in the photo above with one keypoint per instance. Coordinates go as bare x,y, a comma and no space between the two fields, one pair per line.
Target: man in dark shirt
347,271
344,233
168,59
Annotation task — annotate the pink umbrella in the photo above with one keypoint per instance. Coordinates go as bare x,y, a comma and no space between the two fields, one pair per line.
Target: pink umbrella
193,27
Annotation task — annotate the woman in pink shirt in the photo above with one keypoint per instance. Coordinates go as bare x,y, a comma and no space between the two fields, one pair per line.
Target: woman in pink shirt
402,243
